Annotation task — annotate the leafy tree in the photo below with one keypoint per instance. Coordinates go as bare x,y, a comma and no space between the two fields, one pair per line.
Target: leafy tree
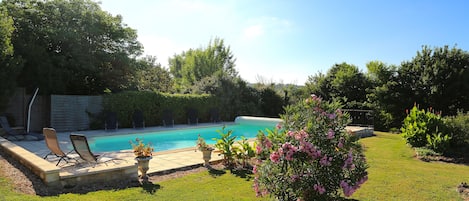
72,46
9,66
383,79
151,76
437,78
342,82
195,64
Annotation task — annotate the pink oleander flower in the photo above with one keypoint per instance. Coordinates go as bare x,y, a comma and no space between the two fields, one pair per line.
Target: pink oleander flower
279,126
303,134
320,189
348,163
254,169
294,177
289,150
331,116
330,134
341,143
274,157
258,149
325,161
268,143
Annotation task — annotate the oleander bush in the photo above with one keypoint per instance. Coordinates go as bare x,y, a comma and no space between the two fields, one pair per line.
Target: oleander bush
310,157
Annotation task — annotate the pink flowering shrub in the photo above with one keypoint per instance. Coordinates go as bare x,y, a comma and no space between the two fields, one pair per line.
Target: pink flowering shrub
311,156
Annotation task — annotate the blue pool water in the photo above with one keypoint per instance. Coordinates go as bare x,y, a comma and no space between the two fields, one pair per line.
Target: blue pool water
174,139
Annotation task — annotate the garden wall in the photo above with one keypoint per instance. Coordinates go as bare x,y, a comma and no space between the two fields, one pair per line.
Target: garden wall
71,113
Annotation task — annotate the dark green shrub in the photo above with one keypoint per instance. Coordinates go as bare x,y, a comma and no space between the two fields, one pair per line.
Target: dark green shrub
153,103
459,128
271,103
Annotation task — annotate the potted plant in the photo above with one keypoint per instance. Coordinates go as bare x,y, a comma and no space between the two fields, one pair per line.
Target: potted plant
143,153
206,149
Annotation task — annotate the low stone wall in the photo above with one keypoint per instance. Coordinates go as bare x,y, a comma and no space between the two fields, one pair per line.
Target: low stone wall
116,172
361,131
48,172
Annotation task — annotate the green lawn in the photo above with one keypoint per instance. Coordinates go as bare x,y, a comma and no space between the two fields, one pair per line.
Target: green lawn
394,175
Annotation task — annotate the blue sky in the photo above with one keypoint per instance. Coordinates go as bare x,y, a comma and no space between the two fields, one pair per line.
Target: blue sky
286,41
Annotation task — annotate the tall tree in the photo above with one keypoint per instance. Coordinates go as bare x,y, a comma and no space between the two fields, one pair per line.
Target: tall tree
72,46
9,66
151,76
342,82
195,64
380,97
436,78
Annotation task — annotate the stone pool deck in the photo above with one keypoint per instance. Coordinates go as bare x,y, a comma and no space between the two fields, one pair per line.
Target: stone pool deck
31,153
76,172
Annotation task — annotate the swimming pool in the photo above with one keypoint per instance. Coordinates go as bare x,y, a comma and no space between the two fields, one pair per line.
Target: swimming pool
182,138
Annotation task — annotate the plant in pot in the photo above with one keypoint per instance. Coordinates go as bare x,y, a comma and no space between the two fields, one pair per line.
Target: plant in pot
143,154
206,149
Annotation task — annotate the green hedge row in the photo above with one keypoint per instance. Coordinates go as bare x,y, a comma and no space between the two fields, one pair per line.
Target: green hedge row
152,104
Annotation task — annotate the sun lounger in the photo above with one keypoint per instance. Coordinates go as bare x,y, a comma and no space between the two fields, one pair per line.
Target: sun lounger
15,135
110,122
192,116
138,120
81,146
168,119
53,145
215,115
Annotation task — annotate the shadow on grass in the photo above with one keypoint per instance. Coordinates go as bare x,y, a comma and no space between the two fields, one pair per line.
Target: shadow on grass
150,187
216,172
243,173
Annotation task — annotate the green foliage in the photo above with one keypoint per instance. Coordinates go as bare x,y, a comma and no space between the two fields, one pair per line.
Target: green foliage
244,152
152,105
151,76
193,65
271,103
425,152
234,95
312,158
343,82
438,142
434,78
9,65
459,128
72,47
225,145
425,129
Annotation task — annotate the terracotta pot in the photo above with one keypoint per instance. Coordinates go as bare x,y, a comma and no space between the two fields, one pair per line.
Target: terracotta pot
143,166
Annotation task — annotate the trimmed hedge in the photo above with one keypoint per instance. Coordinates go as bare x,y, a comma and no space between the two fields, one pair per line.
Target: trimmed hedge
152,105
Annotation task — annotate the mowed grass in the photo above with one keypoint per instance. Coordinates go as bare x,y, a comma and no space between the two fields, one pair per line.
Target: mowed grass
394,174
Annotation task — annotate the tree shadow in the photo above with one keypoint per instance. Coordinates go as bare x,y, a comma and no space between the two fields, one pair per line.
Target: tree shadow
215,172
150,187
244,173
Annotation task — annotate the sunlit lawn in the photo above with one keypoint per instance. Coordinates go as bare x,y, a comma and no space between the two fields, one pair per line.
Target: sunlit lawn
394,174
